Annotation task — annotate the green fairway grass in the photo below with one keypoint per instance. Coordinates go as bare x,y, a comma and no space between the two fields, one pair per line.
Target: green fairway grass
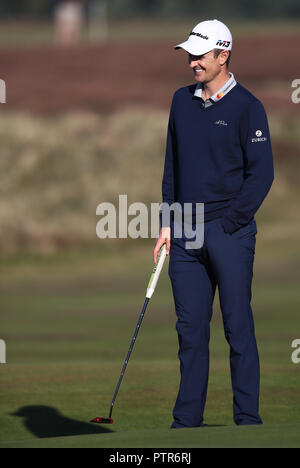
68,321
281,436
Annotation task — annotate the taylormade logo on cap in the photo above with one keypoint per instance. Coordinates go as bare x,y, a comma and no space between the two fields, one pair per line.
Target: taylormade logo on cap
199,35
207,36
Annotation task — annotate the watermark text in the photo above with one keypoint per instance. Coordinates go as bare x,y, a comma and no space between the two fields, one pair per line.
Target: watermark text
296,353
2,92
2,352
187,221
296,94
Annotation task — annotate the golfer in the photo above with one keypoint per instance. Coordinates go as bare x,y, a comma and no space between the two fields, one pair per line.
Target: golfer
219,154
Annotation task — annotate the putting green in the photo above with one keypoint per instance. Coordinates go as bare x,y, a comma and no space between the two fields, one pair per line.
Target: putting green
236,437
67,335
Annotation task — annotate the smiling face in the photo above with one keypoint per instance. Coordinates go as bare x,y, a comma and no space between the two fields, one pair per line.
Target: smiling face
207,67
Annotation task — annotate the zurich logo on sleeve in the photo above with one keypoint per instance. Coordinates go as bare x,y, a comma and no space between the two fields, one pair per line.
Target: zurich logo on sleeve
259,137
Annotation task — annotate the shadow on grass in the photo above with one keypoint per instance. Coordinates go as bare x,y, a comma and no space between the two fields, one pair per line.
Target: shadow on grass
44,421
205,426
214,425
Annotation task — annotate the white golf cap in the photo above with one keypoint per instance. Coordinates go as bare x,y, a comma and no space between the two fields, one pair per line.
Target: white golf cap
207,36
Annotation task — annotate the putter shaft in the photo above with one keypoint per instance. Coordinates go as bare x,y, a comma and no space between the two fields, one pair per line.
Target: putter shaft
150,290
128,355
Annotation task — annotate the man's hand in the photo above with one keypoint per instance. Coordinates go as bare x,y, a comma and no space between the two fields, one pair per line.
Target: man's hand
164,238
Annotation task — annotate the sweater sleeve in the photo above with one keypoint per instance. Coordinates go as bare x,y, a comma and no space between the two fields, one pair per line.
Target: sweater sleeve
258,168
168,181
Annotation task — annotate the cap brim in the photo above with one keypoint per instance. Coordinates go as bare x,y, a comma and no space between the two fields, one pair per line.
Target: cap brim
192,48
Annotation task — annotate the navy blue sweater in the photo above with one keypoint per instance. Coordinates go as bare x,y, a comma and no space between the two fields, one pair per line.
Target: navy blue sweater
220,156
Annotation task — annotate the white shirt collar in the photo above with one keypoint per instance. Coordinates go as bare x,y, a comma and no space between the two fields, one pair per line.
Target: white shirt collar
221,92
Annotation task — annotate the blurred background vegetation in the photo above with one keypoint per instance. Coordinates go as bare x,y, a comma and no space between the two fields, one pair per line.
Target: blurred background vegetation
166,8
86,113
86,120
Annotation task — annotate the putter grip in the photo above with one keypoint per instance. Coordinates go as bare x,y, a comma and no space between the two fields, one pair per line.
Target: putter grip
156,271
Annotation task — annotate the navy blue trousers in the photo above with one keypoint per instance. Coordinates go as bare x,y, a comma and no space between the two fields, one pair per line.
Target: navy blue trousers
225,260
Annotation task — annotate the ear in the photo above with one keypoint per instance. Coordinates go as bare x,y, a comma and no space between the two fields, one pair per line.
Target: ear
223,57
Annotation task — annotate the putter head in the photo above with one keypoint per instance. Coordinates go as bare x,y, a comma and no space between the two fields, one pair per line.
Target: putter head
102,421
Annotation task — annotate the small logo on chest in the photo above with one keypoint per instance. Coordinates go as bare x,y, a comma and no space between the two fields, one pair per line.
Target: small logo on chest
221,122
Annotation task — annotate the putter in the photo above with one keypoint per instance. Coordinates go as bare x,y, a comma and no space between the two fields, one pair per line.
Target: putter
150,290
